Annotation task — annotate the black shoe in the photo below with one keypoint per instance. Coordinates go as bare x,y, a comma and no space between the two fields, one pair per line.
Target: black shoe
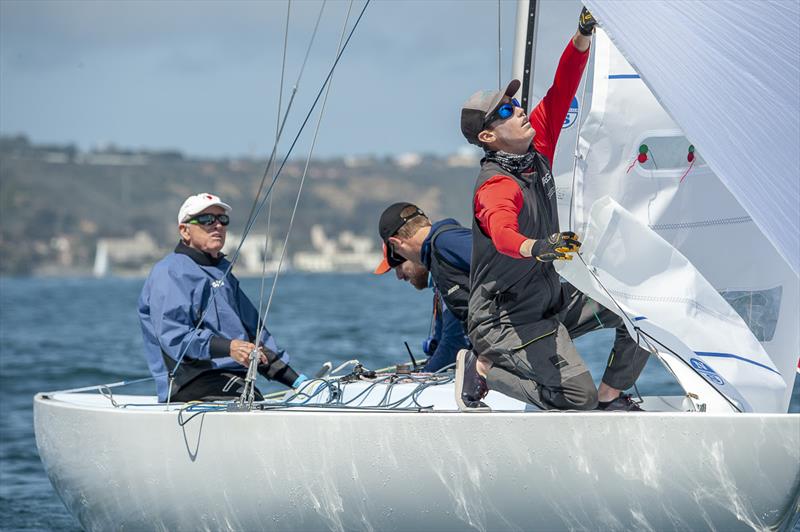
623,403
470,387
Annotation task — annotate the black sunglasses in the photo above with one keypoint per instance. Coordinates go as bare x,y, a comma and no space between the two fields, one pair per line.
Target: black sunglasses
209,219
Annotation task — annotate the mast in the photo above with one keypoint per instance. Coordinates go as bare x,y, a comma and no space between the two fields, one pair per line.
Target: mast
524,48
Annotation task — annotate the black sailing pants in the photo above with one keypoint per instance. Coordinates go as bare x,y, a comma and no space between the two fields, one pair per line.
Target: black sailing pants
549,372
213,385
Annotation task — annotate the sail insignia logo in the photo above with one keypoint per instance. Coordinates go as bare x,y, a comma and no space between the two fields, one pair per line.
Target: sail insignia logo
706,371
572,114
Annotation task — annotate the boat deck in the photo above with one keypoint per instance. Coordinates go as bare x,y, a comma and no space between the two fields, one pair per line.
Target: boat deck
402,395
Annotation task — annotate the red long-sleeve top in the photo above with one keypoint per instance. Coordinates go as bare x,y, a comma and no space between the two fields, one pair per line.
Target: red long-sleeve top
498,201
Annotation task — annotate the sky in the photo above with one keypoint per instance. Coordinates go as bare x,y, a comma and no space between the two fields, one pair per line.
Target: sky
204,77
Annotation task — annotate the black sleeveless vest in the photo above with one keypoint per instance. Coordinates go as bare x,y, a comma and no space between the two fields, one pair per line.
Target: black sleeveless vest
511,297
452,283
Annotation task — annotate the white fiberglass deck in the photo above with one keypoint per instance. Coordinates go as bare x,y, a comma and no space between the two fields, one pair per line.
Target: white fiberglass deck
355,396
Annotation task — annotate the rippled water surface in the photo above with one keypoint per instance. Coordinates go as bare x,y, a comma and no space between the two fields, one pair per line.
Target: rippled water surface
65,333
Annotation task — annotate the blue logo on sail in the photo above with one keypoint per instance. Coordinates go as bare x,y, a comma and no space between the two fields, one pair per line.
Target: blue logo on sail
572,114
706,371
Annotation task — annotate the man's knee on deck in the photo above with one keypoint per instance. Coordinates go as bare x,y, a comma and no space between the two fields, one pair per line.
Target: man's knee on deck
575,393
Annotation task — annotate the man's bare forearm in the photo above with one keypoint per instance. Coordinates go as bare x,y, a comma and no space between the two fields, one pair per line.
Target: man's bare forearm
581,42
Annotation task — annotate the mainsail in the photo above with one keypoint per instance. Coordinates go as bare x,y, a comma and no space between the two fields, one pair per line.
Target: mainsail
728,73
721,288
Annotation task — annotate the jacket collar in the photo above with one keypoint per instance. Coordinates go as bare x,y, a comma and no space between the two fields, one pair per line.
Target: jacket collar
200,257
425,252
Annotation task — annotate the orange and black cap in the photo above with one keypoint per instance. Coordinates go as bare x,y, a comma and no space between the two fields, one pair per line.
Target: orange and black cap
389,224
384,265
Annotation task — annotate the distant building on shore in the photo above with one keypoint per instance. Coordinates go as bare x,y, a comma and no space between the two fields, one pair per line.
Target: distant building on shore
250,262
347,253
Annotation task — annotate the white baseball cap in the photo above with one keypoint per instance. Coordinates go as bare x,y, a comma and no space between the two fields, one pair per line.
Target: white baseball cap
198,203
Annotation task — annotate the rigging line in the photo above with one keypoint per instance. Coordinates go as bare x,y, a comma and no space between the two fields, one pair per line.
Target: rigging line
283,122
576,154
108,385
283,64
261,203
732,403
305,171
275,147
608,293
247,392
286,114
270,162
308,50
260,325
277,130
257,206
640,333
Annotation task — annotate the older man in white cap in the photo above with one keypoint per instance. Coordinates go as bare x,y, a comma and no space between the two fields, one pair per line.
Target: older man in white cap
199,328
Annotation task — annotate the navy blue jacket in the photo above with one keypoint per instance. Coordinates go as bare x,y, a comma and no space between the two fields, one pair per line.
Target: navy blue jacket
455,245
176,294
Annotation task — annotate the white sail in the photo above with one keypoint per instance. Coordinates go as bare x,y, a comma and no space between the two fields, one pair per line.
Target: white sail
630,269
101,267
728,73
689,207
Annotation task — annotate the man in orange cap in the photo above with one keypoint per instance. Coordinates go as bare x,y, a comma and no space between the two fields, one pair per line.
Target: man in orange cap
432,255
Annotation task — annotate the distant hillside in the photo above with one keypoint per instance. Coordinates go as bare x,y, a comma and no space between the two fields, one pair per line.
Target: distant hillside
55,202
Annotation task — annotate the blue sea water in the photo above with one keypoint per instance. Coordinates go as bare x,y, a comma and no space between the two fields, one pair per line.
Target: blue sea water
65,333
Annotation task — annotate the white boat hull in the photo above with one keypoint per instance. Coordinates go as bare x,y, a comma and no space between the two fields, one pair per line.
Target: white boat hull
131,469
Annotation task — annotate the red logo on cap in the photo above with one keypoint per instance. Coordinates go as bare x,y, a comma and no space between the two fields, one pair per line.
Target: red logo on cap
209,197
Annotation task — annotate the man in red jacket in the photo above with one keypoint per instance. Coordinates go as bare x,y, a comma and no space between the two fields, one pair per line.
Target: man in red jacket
521,316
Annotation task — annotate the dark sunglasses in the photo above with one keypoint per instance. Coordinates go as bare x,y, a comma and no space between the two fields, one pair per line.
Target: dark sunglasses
209,219
503,112
393,258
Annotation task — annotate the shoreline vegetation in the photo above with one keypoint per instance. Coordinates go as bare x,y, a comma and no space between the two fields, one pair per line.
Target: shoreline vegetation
111,211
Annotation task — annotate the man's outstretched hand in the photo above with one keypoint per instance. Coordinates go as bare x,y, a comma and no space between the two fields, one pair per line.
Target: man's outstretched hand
586,22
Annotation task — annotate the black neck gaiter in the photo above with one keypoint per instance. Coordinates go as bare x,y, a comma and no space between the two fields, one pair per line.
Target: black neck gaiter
510,162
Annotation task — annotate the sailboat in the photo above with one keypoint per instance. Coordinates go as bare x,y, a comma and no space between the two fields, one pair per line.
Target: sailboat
356,449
